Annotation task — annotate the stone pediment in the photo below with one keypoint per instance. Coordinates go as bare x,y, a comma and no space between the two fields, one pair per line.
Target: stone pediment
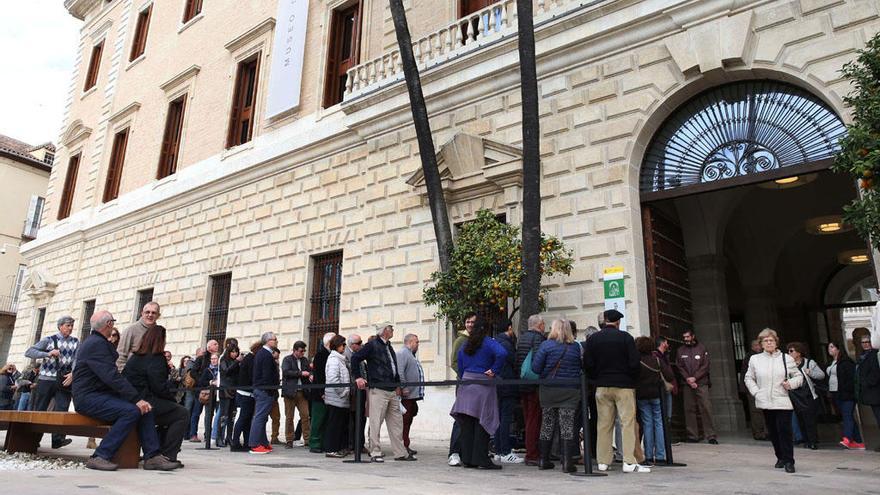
39,284
75,133
471,166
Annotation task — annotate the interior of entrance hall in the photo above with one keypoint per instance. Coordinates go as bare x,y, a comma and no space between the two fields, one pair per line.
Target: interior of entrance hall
757,241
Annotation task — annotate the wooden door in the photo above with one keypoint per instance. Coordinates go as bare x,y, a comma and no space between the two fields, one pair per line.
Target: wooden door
669,295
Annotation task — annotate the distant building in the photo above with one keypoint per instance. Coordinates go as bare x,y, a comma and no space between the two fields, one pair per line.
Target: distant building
24,176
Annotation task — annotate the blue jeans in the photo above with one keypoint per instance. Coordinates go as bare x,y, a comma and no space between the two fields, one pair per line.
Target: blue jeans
652,427
505,414
124,416
244,420
194,418
796,429
850,429
263,405
23,401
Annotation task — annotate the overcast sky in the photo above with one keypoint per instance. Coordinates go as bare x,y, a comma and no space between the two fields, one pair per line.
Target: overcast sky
38,41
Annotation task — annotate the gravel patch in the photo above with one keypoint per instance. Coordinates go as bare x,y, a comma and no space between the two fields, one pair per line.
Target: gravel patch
23,462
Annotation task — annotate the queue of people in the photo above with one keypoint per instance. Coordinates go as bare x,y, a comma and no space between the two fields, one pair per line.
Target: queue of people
130,379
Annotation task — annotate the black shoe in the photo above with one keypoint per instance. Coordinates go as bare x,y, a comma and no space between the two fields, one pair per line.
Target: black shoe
713,441
489,466
62,443
779,465
531,463
813,446
411,451
544,462
405,458
568,450
789,468
316,451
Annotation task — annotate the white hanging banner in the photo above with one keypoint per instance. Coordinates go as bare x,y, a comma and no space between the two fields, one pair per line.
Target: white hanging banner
288,52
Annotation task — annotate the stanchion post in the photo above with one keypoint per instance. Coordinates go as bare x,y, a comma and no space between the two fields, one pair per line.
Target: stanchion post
358,394
585,419
667,441
210,423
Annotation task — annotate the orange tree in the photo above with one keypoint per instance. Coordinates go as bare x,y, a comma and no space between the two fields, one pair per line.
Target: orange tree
486,269
860,149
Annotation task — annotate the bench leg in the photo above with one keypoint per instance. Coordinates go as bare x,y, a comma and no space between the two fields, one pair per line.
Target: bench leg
128,455
20,438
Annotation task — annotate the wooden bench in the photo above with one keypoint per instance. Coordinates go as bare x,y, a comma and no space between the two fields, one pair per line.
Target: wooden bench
25,428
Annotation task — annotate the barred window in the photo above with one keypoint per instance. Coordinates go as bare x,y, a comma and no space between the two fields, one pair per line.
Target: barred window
88,312
326,291
143,297
40,320
218,308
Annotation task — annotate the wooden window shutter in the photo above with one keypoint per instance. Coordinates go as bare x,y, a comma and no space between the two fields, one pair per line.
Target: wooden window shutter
94,66
192,9
244,101
69,186
343,52
171,139
140,33
114,171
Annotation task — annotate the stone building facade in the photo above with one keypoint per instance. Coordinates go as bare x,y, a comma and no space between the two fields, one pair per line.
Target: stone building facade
344,178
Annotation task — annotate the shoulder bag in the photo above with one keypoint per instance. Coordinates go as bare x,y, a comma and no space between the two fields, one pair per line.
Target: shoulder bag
801,397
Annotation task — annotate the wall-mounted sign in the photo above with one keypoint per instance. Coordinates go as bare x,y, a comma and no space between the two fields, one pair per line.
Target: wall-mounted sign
288,52
615,297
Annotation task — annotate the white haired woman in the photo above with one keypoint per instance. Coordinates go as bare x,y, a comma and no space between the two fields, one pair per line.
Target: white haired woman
770,376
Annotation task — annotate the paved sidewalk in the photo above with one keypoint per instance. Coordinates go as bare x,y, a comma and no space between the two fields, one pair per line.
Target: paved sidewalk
735,466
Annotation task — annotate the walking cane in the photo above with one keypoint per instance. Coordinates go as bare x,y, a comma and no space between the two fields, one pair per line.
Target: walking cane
357,424
585,419
667,442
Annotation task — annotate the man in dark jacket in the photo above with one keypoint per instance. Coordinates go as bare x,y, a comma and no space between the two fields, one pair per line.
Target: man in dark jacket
198,368
507,394
317,409
265,375
692,360
528,342
100,392
612,363
868,378
295,372
383,400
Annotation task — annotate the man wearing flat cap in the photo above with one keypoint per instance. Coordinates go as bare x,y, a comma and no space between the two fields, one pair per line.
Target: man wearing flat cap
612,363
383,399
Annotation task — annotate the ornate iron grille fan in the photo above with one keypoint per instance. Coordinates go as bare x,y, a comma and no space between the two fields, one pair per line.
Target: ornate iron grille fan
738,129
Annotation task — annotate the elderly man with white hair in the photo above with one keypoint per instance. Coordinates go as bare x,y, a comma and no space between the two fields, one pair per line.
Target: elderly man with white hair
318,408
58,352
265,375
384,396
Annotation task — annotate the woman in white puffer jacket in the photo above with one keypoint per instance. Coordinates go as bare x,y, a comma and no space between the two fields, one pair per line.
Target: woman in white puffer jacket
337,399
770,376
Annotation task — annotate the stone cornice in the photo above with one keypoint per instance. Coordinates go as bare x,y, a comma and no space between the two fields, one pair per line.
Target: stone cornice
79,8
124,112
180,77
250,35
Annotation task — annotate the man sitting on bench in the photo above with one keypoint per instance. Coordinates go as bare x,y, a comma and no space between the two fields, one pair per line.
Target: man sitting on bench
99,391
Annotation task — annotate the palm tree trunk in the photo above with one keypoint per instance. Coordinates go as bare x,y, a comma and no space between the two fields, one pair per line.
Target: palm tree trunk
531,203
436,200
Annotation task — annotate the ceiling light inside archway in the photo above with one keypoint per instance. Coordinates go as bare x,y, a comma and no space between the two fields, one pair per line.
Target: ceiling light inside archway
853,257
825,225
786,180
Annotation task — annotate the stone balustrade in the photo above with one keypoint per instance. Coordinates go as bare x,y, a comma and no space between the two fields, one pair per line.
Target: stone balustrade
458,38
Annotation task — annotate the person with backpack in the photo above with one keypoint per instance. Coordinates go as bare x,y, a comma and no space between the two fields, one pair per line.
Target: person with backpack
58,352
526,346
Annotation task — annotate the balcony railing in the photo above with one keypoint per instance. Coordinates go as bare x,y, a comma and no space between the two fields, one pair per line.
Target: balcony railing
8,305
29,231
462,36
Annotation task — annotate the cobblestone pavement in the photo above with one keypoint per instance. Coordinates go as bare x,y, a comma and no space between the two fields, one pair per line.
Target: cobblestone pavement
734,467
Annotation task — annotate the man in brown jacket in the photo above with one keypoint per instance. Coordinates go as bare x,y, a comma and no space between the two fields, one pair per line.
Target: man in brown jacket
131,337
692,360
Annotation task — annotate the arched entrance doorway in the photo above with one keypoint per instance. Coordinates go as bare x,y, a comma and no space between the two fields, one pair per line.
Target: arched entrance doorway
742,228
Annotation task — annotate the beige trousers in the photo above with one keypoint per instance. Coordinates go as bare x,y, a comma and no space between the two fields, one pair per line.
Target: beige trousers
384,406
292,404
610,403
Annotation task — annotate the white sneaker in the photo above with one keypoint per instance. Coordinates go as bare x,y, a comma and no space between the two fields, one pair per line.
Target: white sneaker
635,468
454,460
298,443
510,458
603,467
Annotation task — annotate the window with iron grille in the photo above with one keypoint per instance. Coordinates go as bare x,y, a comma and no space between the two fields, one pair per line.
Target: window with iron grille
343,52
244,101
218,307
35,213
19,281
114,171
139,44
40,320
143,297
94,66
326,290
192,9
171,140
69,187
88,312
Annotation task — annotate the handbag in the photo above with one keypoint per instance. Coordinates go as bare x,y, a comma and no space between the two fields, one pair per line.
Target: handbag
525,370
801,397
